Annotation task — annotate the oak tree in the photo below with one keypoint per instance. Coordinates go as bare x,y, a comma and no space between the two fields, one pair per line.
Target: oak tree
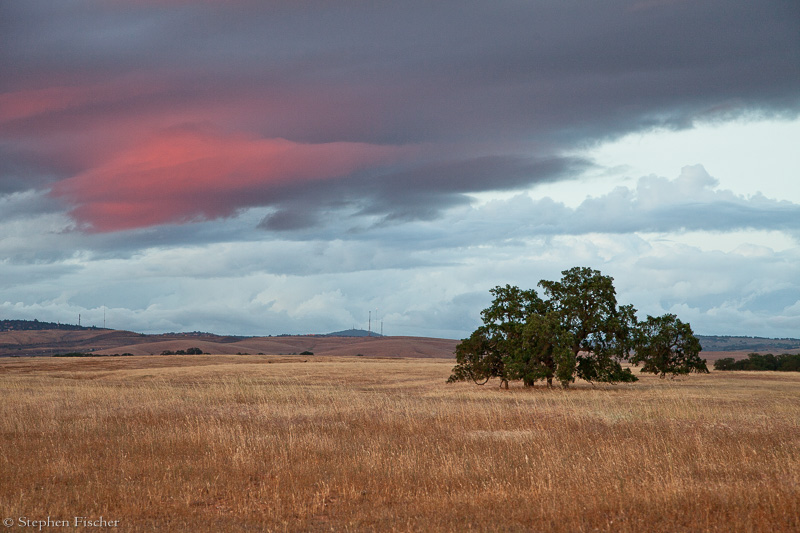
578,331
585,300
665,345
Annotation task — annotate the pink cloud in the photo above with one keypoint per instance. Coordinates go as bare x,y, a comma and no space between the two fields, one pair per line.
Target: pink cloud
24,104
186,175
29,103
80,126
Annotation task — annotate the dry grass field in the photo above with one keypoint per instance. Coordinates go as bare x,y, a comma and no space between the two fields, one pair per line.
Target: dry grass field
269,443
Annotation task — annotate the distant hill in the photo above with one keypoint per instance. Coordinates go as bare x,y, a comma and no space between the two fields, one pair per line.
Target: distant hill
353,333
35,325
108,342
724,343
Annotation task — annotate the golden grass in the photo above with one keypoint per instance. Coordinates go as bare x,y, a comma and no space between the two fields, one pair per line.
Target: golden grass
254,443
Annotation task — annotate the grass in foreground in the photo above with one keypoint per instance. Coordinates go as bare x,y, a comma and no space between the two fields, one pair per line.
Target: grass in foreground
252,443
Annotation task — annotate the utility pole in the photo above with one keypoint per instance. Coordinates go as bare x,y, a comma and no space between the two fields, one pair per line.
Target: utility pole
369,327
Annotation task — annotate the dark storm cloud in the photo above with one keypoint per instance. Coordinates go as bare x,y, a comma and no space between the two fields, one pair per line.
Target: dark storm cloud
296,219
19,172
419,193
494,92
422,193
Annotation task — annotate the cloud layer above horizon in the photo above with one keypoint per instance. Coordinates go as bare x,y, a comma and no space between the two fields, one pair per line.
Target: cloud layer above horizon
311,161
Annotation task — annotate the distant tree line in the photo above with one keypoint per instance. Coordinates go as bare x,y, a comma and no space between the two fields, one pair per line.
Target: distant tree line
28,325
188,351
784,362
577,331
83,354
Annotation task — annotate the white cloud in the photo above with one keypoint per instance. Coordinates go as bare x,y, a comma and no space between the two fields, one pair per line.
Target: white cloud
716,291
748,156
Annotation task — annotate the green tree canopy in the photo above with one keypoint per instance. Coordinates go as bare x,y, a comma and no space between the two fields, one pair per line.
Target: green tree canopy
545,351
577,331
487,352
665,345
586,303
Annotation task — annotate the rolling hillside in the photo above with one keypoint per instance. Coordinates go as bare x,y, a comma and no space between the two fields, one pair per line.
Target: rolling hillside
51,342
27,338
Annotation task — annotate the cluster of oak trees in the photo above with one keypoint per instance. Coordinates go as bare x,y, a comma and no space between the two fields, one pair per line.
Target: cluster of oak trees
785,362
577,331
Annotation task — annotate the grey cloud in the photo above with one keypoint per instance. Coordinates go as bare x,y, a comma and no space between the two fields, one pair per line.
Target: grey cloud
287,220
423,193
442,74
420,193
689,202
23,170
776,301
25,204
436,70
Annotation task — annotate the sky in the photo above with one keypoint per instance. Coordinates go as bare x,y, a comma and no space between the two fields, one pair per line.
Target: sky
264,167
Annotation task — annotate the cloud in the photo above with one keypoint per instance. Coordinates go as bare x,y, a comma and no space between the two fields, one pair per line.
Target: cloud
25,204
410,192
18,106
269,287
690,202
88,88
289,220
185,175
656,205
